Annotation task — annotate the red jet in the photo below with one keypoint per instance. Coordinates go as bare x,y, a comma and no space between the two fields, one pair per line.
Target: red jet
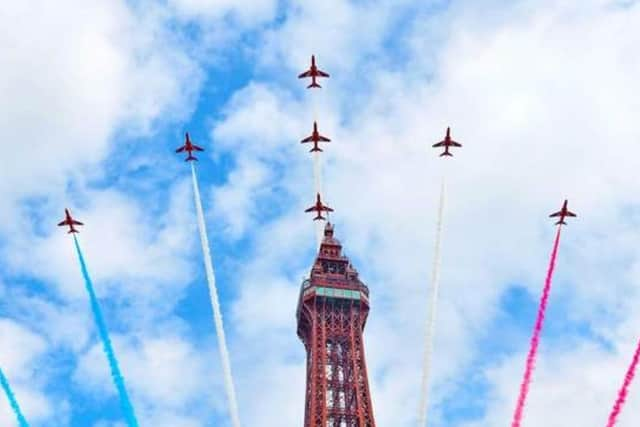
315,138
446,143
313,72
70,222
319,208
562,213
189,147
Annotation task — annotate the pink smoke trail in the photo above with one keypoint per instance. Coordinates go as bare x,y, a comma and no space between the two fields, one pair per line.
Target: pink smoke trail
531,357
622,394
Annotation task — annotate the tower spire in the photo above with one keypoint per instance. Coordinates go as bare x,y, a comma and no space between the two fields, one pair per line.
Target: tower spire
332,312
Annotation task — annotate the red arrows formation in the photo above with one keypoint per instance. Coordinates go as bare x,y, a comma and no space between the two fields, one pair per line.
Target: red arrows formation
316,137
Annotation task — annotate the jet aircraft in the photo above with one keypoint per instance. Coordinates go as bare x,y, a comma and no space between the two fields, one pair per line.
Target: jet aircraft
562,213
314,73
315,137
319,208
68,220
446,143
189,147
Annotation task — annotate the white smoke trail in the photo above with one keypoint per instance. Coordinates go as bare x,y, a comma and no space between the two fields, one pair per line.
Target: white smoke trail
317,171
217,315
317,180
314,106
431,315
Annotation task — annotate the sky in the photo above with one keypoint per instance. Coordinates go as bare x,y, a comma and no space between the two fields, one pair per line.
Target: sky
98,94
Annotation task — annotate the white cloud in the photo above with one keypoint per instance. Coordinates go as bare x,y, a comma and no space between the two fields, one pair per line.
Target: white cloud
236,204
541,95
542,98
126,246
27,345
79,74
258,12
20,353
167,378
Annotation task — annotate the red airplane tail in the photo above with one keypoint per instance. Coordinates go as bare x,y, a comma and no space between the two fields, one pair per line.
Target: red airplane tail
190,158
313,84
319,217
446,153
316,149
561,222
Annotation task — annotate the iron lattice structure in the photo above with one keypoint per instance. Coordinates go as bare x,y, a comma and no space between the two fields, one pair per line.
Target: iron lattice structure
332,312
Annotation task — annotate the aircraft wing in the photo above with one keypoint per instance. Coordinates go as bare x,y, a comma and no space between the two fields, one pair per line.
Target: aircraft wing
180,150
455,144
322,73
76,222
570,214
307,139
195,147
323,138
327,209
62,223
311,209
440,144
305,74
555,214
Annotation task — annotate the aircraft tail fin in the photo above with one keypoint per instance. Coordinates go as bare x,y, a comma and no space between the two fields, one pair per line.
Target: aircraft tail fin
190,158
318,149
313,84
446,153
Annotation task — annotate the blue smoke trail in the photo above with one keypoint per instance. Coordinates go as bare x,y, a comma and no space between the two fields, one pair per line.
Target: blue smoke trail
12,400
127,408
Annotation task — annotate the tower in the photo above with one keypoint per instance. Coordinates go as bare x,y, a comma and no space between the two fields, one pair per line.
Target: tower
332,312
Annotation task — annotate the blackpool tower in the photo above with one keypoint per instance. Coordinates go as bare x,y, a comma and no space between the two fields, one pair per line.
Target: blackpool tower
332,312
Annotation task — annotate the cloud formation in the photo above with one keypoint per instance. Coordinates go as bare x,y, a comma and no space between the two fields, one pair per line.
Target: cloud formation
542,95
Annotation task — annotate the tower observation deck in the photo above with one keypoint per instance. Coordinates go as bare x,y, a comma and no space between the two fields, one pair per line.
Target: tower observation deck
332,312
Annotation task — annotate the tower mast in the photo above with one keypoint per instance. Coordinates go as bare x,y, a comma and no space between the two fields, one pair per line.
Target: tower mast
332,312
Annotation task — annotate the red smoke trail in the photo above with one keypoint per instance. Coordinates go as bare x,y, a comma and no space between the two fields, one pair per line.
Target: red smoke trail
622,394
531,358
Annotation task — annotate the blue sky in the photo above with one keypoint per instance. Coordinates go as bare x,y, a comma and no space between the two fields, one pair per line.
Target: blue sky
542,95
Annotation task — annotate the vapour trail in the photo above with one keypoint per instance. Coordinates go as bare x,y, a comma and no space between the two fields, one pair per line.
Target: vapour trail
317,180
622,394
317,171
535,339
12,400
215,305
127,407
430,323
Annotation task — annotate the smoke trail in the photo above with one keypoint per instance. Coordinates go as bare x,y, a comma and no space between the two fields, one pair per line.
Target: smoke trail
12,400
317,170
118,380
317,181
531,357
622,394
217,315
314,108
431,317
